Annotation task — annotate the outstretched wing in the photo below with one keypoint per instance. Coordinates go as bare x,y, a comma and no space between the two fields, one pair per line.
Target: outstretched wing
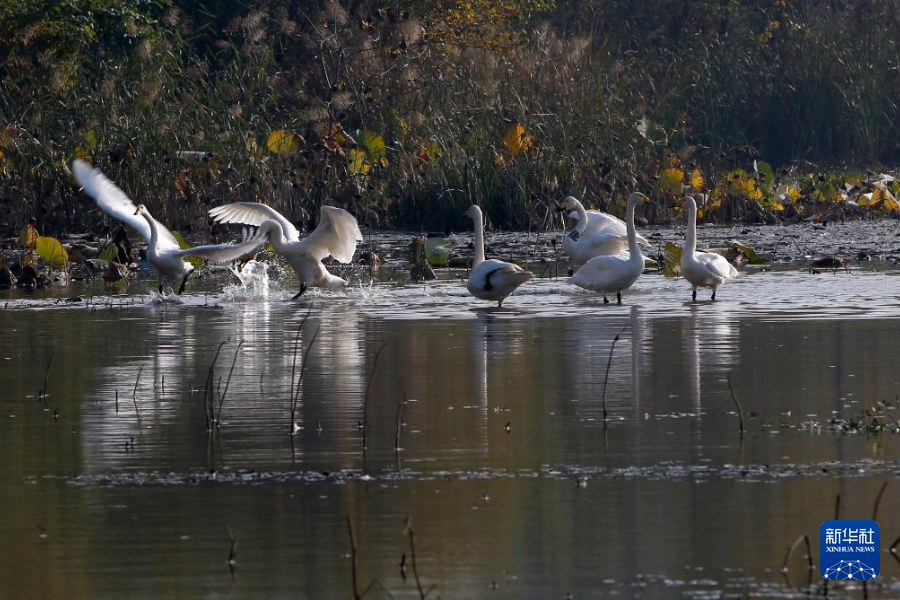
336,235
254,213
117,204
603,227
226,252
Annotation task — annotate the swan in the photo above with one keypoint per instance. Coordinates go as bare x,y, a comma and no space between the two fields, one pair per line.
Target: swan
491,279
336,235
616,272
702,269
164,251
595,234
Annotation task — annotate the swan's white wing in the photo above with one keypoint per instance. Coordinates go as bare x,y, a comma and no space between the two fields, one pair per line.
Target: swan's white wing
718,265
225,252
117,204
254,213
602,227
336,235
601,273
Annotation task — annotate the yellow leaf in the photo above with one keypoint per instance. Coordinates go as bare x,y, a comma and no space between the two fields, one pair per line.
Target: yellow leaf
891,204
82,153
333,131
52,251
517,140
28,237
670,181
698,182
91,138
674,162
672,255
281,142
358,162
793,194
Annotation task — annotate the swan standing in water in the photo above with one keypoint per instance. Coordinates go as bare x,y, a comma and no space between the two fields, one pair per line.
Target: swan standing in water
491,279
164,251
702,269
614,273
595,234
336,235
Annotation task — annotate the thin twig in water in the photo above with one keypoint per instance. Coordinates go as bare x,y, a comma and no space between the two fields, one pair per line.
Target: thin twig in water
46,380
738,404
399,421
893,549
878,500
608,365
412,557
228,382
232,553
117,400
208,388
134,393
296,398
790,551
837,507
354,566
294,362
365,422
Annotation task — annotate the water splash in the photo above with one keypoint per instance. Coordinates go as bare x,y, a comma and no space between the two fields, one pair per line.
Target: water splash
167,296
253,283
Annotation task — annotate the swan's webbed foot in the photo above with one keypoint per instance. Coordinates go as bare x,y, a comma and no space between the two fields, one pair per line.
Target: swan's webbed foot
618,297
714,295
300,293
605,300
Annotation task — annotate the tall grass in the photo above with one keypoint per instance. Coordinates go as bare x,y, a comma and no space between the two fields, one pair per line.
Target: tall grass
608,93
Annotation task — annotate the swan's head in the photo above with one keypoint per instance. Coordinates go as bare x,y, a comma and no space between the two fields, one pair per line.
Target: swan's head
689,204
473,212
636,198
568,203
142,210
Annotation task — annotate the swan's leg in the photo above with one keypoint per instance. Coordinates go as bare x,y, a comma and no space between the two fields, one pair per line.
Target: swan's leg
605,299
160,285
694,295
714,293
300,293
500,303
184,281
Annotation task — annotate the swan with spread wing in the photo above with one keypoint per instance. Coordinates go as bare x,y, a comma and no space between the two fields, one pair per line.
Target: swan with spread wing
336,235
164,252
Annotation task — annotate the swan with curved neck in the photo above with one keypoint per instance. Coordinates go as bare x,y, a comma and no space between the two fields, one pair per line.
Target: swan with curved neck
614,273
493,279
595,234
336,235
164,251
702,269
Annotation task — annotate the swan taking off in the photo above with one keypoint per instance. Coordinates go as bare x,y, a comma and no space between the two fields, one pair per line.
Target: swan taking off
595,234
702,269
614,273
491,279
336,235
164,252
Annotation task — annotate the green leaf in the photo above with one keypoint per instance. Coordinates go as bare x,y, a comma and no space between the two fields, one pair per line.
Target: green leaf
182,243
437,251
372,143
52,251
765,173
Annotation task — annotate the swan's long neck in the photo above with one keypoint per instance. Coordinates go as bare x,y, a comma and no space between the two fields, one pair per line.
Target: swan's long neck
690,237
154,232
633,247
582,217
276,236
479,239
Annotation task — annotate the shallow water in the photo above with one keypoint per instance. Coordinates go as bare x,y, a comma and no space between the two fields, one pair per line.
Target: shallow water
514,486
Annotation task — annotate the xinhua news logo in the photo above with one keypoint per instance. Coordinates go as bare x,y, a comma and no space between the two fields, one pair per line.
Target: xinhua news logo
850,549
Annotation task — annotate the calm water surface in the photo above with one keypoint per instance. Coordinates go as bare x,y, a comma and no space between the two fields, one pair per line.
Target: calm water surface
514,487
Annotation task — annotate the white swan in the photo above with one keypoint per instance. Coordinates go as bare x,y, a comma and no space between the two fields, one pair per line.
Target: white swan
164,252
702,269
491,279
595,234
617,272
336,235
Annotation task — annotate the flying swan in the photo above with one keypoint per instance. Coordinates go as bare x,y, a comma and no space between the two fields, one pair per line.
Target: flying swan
702,269
164,252
609,274
336,235
491,279
595,234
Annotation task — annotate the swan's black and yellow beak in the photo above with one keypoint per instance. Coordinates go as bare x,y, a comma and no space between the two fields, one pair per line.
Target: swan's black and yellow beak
137,211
